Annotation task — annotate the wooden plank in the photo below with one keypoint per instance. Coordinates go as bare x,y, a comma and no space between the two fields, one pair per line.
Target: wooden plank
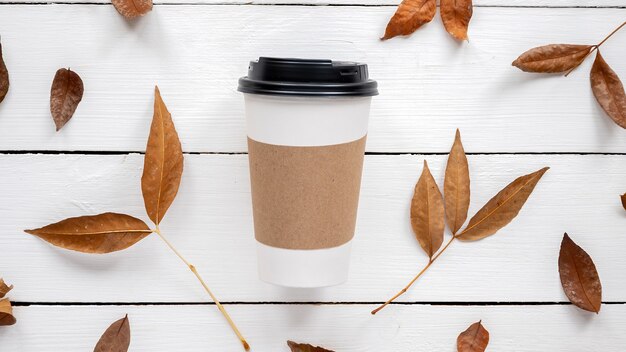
211,223
429,84
341,327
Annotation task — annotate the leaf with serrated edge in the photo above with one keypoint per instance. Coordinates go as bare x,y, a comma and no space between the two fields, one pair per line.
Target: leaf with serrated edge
302,347
608,90
456,15
502,208
410,15
4,77
427,213
116,338
552,58
163,162
65,95
6,313
474,339
4,288
132,8
456,186
102,233
579,277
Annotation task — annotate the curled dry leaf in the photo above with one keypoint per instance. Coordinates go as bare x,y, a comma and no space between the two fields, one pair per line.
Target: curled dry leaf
456,186
116,338
456,15
163,163
552,58
608,90
6,313
4,77
132,8
427,213
65,95
502,208
410,15
4,288
301,347
579,276
474,339
623,196
103,233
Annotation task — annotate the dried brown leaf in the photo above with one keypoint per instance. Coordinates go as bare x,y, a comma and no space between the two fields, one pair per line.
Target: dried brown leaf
456,15
579,276
6,313
4,288
474,339
502,208
116,338
410,15
623,196
552,58
65,95
103,233
456,186
427,213
301,347
608,90
132,8
4,77
163,163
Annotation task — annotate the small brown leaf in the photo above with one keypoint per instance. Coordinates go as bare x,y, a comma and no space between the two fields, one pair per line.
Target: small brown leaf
300,347
623,196
6,313
116,338
456,15
552,58
502,208
163,163
103,233
427,213
410,15
474,339
579,276
456,186
132,8
4,288
4,77
65,95
608,90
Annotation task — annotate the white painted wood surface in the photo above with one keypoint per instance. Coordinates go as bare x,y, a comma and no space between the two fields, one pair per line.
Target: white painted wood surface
429,84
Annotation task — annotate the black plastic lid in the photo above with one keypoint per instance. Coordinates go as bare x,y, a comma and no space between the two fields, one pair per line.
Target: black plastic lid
276,76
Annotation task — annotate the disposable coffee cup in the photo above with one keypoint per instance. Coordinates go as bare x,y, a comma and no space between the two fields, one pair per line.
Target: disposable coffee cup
307,125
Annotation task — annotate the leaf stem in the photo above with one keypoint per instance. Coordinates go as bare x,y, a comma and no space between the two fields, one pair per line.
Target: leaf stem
191,267
595,47
430,262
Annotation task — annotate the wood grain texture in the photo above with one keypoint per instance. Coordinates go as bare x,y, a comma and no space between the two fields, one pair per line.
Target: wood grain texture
211,224
429,84
345,328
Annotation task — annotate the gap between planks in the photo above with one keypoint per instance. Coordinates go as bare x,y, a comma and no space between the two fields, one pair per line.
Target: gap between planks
425,303
127,152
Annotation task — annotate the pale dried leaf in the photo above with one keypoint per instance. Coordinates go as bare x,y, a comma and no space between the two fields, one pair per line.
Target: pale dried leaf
474,339
163,163
301,347
552,58
456,186
116,338
132,8
608,90
502,208
4,288
6,313
103,233
4,77
579,276
410,15
65,95
427,213
456,15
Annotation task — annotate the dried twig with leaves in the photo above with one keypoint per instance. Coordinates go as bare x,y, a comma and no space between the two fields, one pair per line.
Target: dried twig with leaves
429,211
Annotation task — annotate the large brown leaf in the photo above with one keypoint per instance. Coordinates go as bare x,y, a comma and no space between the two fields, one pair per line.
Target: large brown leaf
410,15
4,288
6,313
427,213
103,233
163,163
608,90
579,276
65,95
116,338
301,347
4,77
456,186
502,208
456,15
552,58
474,339
132,8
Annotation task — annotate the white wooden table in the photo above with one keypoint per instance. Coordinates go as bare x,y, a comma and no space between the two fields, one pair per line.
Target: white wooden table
512,123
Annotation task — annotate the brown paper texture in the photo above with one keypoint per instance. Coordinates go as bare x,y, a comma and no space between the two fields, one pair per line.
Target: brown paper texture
305,197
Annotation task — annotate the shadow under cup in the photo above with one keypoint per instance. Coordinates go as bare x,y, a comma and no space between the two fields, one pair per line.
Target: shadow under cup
306,158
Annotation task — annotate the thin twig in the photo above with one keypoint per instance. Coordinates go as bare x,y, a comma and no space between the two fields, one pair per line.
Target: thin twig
595,47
